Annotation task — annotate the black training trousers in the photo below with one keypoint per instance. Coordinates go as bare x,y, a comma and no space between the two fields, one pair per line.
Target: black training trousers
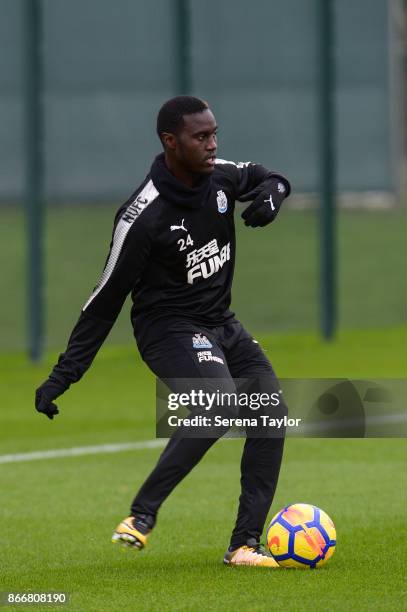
172,353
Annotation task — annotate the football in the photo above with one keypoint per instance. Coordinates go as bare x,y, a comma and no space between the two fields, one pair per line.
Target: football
301,536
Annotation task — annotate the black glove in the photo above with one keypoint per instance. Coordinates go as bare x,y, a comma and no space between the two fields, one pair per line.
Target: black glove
44,396
265,206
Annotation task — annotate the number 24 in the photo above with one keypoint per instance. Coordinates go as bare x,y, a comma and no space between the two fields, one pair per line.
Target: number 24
184,243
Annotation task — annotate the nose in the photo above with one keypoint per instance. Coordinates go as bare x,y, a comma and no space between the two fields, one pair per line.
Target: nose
212,144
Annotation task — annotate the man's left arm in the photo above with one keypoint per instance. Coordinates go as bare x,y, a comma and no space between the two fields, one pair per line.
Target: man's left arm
266,189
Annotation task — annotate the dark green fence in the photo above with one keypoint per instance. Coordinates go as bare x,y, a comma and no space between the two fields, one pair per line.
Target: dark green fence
108,66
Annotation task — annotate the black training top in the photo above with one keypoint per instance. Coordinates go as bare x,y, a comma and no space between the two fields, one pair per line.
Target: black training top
173,248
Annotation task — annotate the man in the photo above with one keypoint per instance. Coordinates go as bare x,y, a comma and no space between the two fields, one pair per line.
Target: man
173,248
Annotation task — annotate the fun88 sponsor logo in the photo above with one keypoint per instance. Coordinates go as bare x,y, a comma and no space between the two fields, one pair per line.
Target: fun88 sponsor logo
207,356
207,260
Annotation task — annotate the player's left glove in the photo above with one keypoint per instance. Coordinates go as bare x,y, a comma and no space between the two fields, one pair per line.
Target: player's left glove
266,205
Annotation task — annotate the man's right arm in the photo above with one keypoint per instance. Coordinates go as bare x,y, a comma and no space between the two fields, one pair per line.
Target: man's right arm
129,253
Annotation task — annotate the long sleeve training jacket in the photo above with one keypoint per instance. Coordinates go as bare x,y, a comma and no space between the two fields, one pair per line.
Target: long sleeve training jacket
173,249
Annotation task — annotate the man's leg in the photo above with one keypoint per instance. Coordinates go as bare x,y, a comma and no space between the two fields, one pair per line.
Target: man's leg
174,356
179,457
260,467
261,458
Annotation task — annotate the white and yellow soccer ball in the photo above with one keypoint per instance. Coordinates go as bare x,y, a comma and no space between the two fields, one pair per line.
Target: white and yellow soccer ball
301,536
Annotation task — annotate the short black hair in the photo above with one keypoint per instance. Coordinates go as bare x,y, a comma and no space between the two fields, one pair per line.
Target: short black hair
170,115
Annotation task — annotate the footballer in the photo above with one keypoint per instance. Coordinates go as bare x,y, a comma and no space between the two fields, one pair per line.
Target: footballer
173,249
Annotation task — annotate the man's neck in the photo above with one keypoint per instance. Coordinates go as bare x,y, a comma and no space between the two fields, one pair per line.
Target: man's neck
184,176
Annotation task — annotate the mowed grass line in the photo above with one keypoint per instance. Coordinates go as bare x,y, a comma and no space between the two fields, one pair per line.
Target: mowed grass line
114,402
57,515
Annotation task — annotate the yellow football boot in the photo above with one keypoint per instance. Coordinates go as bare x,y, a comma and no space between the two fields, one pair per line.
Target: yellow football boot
251,554
133,531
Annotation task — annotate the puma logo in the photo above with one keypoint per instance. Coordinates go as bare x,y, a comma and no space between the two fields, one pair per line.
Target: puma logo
178,227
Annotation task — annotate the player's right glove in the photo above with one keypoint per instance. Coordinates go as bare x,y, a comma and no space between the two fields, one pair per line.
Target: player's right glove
44,396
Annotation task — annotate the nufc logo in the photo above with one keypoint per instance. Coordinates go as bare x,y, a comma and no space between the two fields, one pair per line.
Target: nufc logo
135,209
199,341
207,260
222,201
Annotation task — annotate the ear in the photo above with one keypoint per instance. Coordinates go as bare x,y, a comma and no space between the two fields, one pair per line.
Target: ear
169,141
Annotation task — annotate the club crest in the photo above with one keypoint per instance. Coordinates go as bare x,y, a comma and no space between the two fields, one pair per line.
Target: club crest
199,341
222,201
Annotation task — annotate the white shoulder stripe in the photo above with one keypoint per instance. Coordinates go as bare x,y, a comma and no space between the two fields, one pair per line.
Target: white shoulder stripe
239,165
132,212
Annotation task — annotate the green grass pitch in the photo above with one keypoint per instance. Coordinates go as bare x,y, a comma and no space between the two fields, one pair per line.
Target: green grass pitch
57,515
276,284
